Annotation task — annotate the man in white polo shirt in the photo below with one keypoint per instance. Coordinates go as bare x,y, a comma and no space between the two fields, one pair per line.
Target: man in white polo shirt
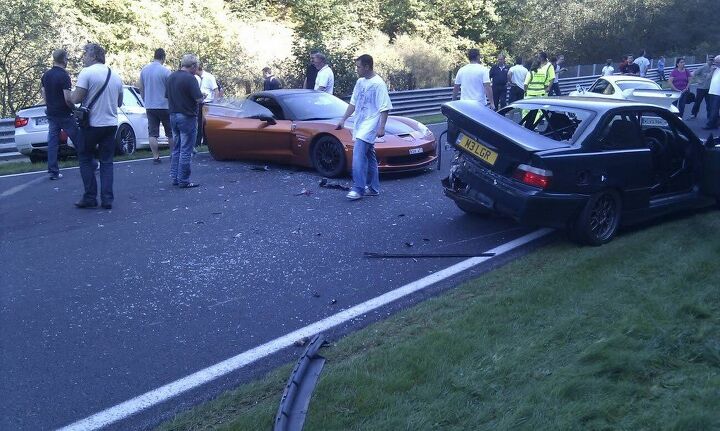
325,80
473,81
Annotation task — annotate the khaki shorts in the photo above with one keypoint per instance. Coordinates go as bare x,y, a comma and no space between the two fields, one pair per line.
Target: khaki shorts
155,117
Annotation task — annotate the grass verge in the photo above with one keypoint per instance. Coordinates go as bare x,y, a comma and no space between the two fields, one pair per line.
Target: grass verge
20,167
623,336
430,119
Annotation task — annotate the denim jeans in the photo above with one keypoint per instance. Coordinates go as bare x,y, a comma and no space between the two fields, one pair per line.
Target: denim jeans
55,124
184,129
681,102
714,102
365,167
700,95
100,140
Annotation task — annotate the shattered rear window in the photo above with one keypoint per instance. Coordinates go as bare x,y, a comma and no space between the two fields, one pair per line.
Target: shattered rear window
555,122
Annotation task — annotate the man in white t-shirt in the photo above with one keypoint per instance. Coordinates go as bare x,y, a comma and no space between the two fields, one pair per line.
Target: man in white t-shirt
473,81
714,97
325,79
643,63
371,104
209,89
100,135
608,69
516,78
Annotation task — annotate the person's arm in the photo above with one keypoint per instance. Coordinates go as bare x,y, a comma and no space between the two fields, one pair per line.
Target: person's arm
381,125
348,112
321,80
75,96
141,87
550,78
489,94
456,91
120,95
509,76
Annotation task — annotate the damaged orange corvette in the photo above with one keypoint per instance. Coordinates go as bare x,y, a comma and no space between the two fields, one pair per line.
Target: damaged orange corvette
297,127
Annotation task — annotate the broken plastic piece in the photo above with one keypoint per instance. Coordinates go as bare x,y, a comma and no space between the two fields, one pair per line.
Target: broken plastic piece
325,183
305,192
260,168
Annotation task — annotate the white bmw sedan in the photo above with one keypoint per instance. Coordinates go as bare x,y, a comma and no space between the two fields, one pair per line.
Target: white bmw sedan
632,88
31,129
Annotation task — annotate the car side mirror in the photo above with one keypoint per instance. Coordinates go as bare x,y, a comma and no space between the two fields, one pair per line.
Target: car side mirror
268,119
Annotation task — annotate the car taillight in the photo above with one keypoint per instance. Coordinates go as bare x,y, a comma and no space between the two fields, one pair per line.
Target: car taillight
21,121
533,176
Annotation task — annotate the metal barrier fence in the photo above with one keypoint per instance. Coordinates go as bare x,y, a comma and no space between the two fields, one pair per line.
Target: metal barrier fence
428,101
7,135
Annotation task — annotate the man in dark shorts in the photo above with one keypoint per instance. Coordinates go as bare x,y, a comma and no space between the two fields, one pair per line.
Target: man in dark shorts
184,98
59,113
153,82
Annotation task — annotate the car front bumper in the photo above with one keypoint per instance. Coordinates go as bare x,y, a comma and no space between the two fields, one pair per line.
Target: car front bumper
476,185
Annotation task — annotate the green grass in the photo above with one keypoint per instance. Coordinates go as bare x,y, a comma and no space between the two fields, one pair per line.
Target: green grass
623,336
430,119
20,167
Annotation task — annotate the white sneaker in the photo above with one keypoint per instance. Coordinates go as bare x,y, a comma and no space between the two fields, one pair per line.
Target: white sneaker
370,192
353,195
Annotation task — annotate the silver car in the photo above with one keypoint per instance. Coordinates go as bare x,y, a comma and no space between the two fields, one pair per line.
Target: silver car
31,129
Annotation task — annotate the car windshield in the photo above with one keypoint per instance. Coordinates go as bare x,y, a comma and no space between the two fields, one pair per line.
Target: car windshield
556,122
637,85
314,106
238,108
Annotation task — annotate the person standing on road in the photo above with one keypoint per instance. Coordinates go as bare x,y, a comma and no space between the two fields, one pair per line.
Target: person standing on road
325,79
59,114
472,81
557,63
643,64
516,77
540,79
714,97
680,81
703,75
102,88
499,79
371,103
661,68
270,81
184,99
153,80
608,69
209,88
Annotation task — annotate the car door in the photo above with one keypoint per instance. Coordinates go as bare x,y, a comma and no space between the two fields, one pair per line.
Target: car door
272,141
134,110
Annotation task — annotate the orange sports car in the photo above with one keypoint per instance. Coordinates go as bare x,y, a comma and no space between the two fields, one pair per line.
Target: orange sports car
298,127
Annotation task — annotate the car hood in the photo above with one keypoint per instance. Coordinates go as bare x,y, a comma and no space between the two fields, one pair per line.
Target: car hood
479,120
394,126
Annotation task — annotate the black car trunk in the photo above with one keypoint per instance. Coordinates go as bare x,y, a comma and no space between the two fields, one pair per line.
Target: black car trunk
508,143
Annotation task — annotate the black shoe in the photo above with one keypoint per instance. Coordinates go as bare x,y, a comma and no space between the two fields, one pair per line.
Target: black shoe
86,204
106,206
56,176
188,185
157,161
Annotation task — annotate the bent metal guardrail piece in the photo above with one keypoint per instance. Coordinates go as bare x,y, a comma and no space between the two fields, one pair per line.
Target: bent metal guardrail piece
296,396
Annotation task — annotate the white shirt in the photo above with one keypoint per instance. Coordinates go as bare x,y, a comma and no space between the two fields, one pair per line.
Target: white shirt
517,75
208,86
643,63
608,70
104,111
715,83
370,97
471,79
325,78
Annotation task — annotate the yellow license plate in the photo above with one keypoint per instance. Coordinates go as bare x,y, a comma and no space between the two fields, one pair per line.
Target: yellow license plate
480,151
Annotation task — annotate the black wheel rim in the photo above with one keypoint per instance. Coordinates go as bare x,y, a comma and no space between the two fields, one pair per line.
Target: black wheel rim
127,140
603,217
329,156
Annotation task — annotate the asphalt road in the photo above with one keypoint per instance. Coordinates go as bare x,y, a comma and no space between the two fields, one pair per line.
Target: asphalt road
97,307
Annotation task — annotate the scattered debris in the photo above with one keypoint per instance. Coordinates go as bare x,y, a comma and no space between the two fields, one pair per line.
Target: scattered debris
304,192
316,294
217,213
261,168
401,215
199,222
334,301
409,244
238,235
426,239
325,183
375,255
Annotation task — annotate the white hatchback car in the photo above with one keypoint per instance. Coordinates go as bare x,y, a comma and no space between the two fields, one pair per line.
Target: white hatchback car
632,88
31,129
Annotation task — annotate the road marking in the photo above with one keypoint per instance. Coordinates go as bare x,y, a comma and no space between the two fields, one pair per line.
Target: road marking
21,187
166,392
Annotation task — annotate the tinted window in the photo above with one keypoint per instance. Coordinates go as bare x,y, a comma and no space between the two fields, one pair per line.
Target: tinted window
272,105
238,108
314,106
600,86
555,122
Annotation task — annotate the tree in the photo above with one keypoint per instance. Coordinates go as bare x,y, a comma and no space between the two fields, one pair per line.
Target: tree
28,32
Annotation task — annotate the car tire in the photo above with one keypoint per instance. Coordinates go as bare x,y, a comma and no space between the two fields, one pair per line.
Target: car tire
599,220
125,140
328,157
469,208
213,153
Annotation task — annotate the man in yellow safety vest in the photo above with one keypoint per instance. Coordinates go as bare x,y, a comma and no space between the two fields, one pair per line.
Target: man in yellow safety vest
540,78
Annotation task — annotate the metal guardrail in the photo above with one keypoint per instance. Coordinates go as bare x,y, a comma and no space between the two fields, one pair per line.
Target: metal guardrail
7,135
428,101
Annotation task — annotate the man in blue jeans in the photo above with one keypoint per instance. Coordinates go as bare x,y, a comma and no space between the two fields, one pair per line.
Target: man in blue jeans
184,98
370,102
59,114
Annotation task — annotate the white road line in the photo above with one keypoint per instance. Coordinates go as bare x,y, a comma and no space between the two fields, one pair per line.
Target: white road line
21,187
163,393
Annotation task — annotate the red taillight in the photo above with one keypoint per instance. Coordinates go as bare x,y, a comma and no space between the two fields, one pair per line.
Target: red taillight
533,176
21,121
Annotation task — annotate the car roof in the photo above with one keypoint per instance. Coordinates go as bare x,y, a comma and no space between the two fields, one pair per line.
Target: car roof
283,92
615,78
589,103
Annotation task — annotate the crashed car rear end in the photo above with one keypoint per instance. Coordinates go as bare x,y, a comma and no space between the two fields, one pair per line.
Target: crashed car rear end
498,166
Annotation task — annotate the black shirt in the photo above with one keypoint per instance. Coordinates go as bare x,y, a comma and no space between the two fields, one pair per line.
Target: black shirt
498,75
311,74
183,93
54,81
271,83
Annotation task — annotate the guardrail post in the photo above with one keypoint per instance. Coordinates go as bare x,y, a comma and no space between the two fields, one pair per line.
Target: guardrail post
594,73
578,71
